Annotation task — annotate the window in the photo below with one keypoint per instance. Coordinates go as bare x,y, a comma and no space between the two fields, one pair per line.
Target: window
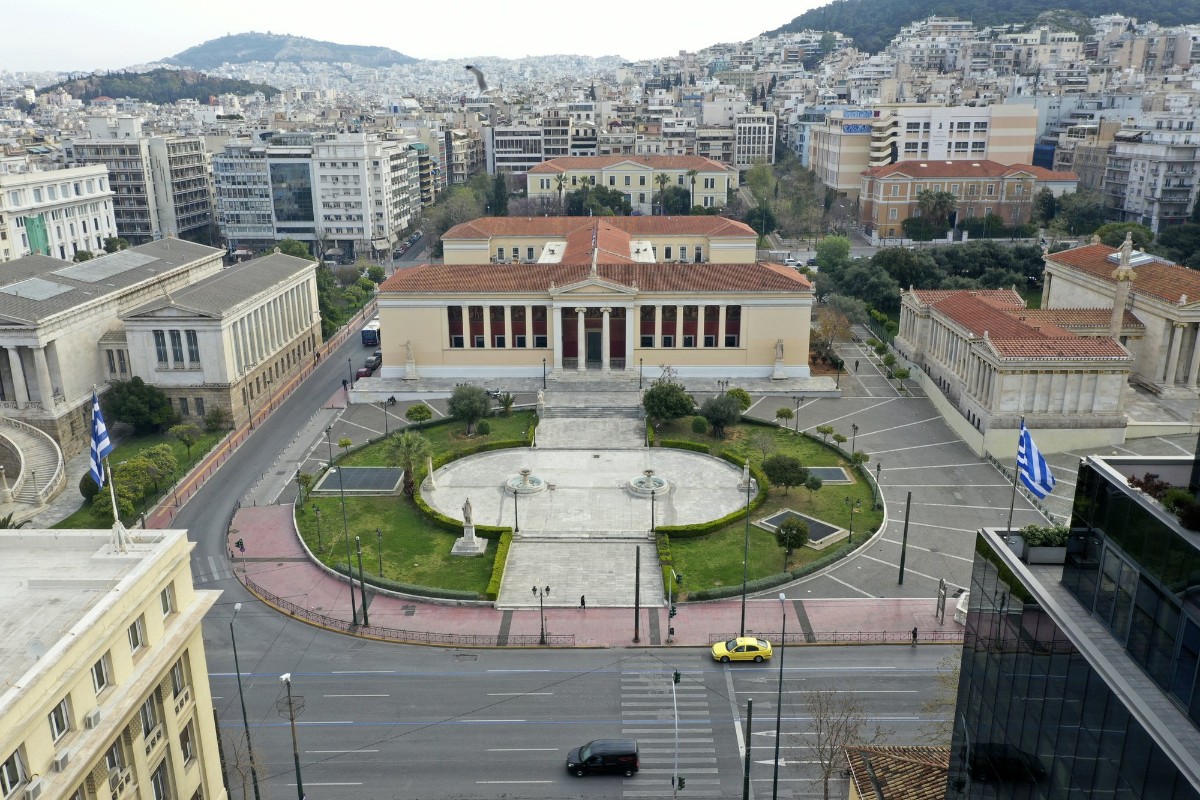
12,774
529,254
683,254
193,346
540,341
641,180
186,747
499,253
161,782
115,757
710,183
121,361
456,341
647,340
100,675
516,253
166,599
731,340
179,680
710,340
149,715
177,346
991,189
498,340
667,253
519,340
892,213
183,407
199,406
478,341
689,340
60,720
612,180
137,635
627,181
668,340
160,346
112,362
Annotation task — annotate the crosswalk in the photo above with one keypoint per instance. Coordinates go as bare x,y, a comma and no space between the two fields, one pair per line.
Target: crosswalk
648,715
207,570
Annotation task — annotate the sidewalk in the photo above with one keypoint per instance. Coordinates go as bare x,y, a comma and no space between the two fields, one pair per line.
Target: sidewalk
281,573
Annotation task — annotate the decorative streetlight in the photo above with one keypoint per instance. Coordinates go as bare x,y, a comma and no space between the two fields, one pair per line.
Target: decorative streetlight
854,507
379,549
652,493
853,435
840,366
779,695
317,510
541,594
639,373
878,488
516,511
362,582
745,554
286,679
543,373
796,414
242,698
345,526
383,408
350,366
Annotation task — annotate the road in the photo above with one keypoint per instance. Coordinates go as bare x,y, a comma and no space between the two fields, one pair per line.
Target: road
385,721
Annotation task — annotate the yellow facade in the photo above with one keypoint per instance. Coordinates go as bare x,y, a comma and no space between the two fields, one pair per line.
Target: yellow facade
116,703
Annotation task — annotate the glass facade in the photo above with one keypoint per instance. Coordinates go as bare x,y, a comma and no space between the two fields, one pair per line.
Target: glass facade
291,192
1034,720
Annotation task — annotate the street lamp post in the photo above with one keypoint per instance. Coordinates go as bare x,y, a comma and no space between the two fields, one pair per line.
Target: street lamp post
639,373
652,510
779,695
745,556
383,408
242,698
796,414
541,594
853,435
362,582
543,373
853,507
317,510
286,678
379,548
840,366
350,366
878,488
516,511
345,527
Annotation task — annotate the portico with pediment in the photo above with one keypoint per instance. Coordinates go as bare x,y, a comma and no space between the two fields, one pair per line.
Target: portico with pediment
516,320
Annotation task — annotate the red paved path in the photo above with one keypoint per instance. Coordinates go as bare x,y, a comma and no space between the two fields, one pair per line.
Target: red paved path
276,561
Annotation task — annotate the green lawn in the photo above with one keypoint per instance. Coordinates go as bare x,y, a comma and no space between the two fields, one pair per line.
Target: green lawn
716,559
449,438
84,518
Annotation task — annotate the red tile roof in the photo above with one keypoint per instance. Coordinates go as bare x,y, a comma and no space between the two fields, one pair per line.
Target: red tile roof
538,278
582,163
891,772
964,169
1078,317
703,225
998,296
1160,279
1078,347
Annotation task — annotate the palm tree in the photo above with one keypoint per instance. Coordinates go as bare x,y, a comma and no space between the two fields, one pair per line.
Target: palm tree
406,451
585,186
692,173
663,180
936,206
560,183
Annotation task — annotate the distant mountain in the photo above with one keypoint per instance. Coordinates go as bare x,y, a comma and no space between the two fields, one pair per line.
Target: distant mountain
872,23
157,86
240,48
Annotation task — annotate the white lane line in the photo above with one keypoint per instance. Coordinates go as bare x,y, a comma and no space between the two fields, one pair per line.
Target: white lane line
948,485
433,409
507,782
898,427
492,720
527,694
341,751
917,447
835,691
518,670
1183,450
907,570
357,695
363,672
946,466
927,550
522,749
326,722
939,527
851,414
833,577
959,505
329,784
216,697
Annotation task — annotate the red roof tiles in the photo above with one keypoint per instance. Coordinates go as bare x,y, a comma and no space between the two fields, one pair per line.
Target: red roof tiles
487,227
891,772
1160,279
965,169
577,163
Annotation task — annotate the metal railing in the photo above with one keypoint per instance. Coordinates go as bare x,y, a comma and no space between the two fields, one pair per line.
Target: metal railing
930,636
405,636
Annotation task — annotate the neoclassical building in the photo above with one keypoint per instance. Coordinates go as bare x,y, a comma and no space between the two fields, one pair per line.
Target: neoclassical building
987,361
707,181
1164,297
591,301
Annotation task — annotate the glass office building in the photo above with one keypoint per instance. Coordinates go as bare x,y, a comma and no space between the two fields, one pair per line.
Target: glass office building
1080,680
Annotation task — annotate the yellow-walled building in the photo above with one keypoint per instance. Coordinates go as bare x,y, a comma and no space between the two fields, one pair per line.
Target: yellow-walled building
105,683
609,295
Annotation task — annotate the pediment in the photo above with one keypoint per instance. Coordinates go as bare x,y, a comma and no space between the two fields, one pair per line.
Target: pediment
172,312
592,287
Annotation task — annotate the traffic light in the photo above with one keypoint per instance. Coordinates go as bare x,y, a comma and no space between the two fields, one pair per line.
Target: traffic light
681,781
240,545
674,611
677,676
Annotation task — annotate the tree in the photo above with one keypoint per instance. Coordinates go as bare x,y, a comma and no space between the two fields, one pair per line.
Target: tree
418,413
692,173
838,721
889,360
506,401
407,451
908,267
1044,207
376,274
83,255
763,442
499,199
791,534
742,396
813,484
783,414
469,404
853,309
833,253
859,457
1079,213
784,470
160,463
675,200
901,375
137,403
292,247
1113,234
667,400
937,206
560,183
663,180
938,710
721,412
826,431
761,219
188,434
217,419
829,325
839,439
1180,243
114,243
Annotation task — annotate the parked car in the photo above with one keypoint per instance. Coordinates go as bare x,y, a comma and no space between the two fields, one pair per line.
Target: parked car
743,648
604,756
363,372
372,363
791,262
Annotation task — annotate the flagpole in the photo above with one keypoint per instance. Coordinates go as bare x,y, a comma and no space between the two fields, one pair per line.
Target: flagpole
1016,476
112,493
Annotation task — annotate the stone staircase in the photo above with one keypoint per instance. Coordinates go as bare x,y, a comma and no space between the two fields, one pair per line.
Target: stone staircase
592,412
43,462
602,569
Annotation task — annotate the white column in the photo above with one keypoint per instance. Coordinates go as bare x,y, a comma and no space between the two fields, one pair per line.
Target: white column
658,320
1177,329
18,375
45,387
721,311
464,313
529,326
605,347
487,327
554,330
1194,369
580,343
679,326
632,319
508,329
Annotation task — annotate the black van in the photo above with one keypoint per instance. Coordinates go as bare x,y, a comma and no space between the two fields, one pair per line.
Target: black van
604,757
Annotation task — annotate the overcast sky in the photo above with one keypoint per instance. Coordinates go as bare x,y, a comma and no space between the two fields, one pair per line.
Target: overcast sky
109,34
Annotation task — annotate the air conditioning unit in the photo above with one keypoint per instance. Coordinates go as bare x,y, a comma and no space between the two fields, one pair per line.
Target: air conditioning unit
61,760
92,718
34,790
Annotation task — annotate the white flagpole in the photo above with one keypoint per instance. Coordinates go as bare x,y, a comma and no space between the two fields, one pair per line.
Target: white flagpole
1016,476
112,492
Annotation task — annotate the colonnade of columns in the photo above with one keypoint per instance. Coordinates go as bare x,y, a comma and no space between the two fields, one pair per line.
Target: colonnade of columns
23,393
266,330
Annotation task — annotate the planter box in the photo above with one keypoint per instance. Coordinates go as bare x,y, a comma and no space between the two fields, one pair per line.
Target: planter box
1046,555
1015,543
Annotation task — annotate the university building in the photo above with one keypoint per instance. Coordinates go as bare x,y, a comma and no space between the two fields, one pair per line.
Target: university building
105,681
637,177
55,212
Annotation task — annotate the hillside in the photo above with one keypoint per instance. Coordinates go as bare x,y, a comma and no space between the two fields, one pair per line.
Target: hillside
157,86
241,48
872,24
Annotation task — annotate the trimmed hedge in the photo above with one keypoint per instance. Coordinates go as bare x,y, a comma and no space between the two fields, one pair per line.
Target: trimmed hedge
683,444
493,587
662,543
409,588
770,581
704,528
649,433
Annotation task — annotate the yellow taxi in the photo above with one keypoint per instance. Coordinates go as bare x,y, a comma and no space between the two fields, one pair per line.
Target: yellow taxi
743,648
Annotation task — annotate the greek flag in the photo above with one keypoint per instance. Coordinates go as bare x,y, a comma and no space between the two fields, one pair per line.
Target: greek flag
1032,467
101,447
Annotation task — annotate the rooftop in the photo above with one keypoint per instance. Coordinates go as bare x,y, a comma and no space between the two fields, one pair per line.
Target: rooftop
562,227
891,772
560,165
966,169
217,295
1158,278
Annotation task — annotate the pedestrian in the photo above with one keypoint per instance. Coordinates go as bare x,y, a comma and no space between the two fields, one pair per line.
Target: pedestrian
345,385
582,602
856,365
914,637
318,356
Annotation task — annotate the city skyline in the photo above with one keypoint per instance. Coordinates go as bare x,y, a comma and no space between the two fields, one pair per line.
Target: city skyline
129,32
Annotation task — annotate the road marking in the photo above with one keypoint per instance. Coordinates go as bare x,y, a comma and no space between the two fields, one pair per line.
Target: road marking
948,485
518,670
341,751
835,691
514,781
833,577
852,413
363,672
946,466
474,721
526,694
907,571
898,427
523,749
917,447
944,528
326,722
935,552
330,784
357,695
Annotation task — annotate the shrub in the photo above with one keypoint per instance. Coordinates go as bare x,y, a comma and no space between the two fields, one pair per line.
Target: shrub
699,425
1177,499
418,413
88,487
1190,517
1045,535
1151,485
742,396
410,588
216,420
493,587
682,444
483,428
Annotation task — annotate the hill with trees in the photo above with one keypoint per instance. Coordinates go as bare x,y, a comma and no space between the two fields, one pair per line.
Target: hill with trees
873,24
242,48
157,86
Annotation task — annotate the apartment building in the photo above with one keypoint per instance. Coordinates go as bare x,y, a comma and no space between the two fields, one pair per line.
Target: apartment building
753,139
1150,170
464,149
513,149
855,139
106,681
1078,675
636,177
160,183
54,212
